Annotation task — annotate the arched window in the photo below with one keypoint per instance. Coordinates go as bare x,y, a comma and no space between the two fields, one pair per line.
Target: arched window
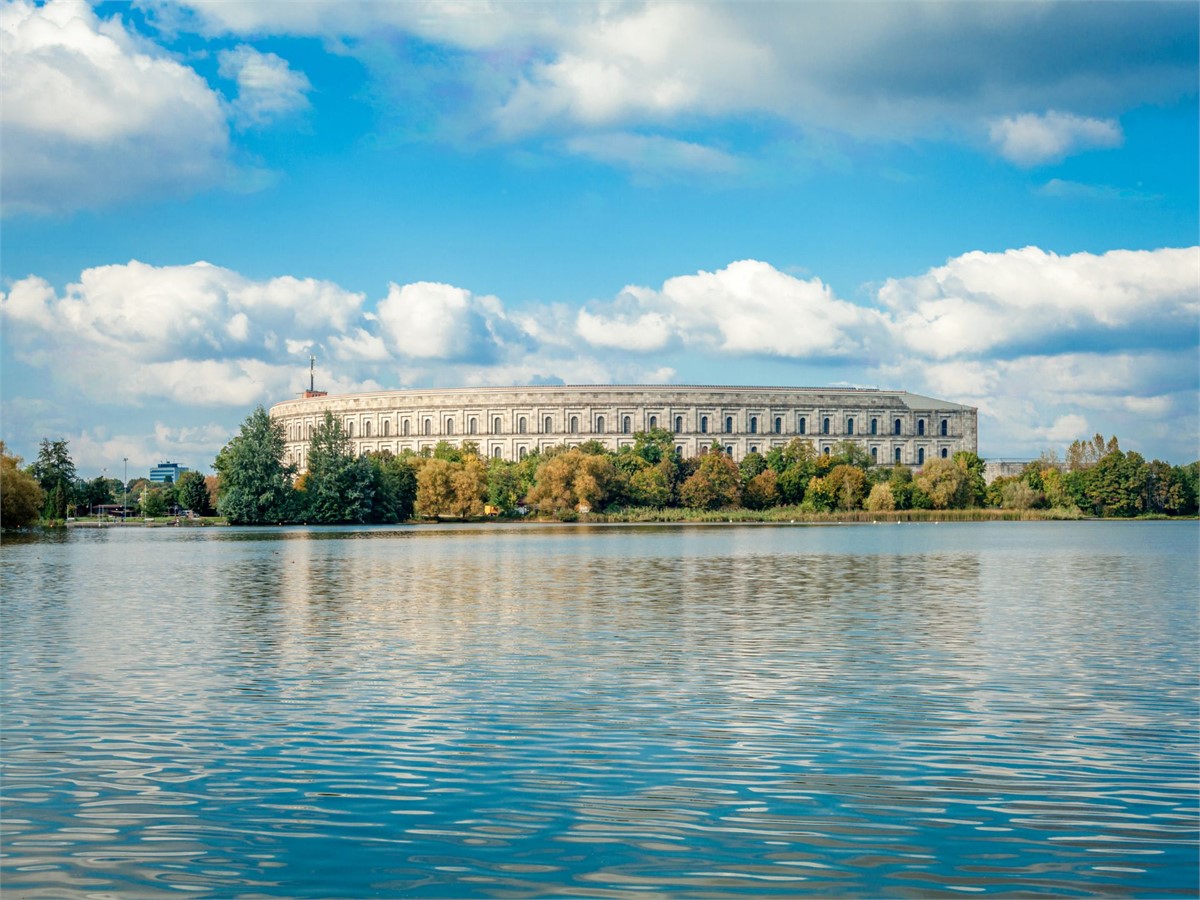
404,428
387,428
825,425
920,456
366,429
754,424
729,424
803,429
547,425
896,427
729,449
521,453
349,428
472,425
679,450
497,425
945,428
449,427
678,424
427,426
495,453
753,449
704,424
945,453
897,455
625,425
874,454
874,426
574,424
778,425
653,422
826,451
599,424
521,425
921,427
849,426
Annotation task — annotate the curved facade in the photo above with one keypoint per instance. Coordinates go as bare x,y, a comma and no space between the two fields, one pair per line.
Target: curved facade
894,426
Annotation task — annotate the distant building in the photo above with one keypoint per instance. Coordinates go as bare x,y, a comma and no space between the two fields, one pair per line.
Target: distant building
167,471
894,427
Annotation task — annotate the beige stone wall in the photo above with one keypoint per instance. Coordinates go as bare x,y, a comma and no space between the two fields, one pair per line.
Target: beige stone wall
511,422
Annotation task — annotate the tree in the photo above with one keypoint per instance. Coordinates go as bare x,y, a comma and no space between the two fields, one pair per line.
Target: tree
572,479
880,499
20,495
762,490
255,485
1020,495
945,483
193,493
651,486
154,503
435,487
752,464
395,487
716,483
94,493
505,487
54,471
340,485
971,463
470,488
848,485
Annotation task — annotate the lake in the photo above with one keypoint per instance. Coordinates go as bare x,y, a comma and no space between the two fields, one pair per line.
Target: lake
914,710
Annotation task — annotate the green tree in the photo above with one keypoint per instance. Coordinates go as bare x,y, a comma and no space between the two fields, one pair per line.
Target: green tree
976,487
651,486
716,483
95,492
505,487
193,493
340,485
752,464
255,484
54,471
880,499
470,488
654,445
20,495
154,504
395,487
1117,484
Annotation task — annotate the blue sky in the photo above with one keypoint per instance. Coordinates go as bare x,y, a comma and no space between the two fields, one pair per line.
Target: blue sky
990,203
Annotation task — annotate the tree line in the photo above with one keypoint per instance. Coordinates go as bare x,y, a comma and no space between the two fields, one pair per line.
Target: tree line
256,486
49,490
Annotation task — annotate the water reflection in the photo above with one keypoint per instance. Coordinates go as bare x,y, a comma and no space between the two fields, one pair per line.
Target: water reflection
602,712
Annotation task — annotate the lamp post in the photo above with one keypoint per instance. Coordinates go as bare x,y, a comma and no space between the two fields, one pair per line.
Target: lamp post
125,490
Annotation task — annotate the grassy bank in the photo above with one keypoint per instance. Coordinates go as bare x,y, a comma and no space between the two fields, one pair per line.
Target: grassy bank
796,514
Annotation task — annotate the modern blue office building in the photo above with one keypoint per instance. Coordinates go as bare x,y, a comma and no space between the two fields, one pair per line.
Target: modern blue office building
167,471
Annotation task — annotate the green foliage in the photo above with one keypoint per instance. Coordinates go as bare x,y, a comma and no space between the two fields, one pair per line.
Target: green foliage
339,486
394,487
255,486
505,486
752,464
945,483
154,503
54,471
654,445
571,479
651,486
976,487
193,493
96,492
880,499
20,495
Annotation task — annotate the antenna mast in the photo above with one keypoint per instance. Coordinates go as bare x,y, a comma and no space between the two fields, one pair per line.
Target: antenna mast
312,362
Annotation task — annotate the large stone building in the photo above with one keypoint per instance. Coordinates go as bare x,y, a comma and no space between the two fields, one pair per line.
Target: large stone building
510,422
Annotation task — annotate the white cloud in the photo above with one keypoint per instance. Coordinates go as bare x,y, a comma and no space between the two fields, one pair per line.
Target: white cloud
1030,139
1028,300
92,114
652,154
887,70
426,320
747,308
268,88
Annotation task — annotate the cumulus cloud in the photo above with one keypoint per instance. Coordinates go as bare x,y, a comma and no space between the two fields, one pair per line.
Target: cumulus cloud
197,334
1031,139
268,88
748,308
93,114
1028,301
880,70
426,320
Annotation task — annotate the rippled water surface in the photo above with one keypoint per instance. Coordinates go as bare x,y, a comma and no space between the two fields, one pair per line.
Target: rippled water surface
902,711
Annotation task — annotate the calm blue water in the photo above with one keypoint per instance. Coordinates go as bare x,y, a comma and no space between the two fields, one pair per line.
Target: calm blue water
899,710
